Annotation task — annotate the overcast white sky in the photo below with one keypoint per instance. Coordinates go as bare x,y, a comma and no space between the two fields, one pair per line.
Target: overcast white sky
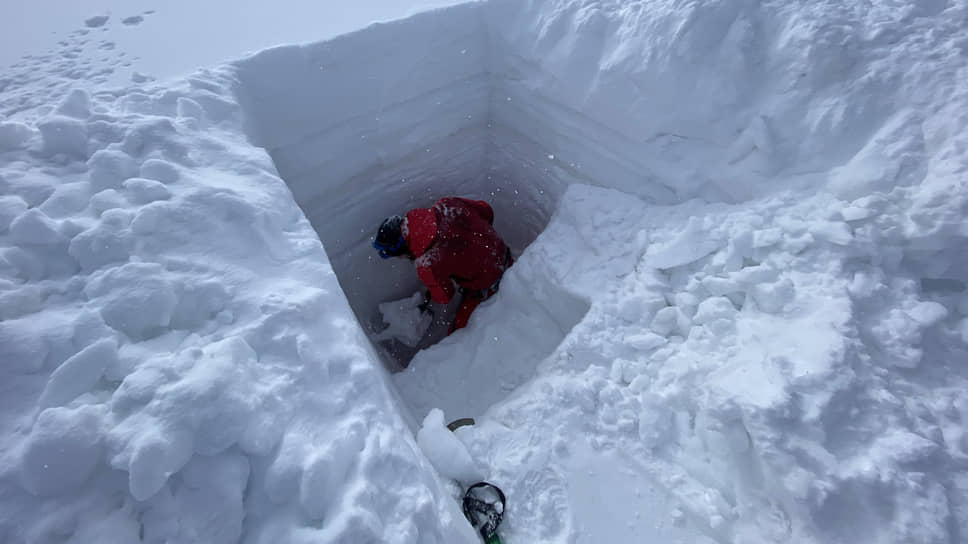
186,34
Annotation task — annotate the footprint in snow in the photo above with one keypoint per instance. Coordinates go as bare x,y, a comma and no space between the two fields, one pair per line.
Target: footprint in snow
133,20
96,21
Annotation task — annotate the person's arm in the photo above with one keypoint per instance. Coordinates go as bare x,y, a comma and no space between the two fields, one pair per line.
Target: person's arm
482,208
441,288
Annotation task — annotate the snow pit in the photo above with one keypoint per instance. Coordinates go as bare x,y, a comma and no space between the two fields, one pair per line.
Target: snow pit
391,118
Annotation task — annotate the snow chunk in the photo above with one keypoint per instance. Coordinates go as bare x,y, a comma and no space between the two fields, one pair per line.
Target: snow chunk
76,104
62,450
21,264
155,458
22,349
138,299
665,321
720,286
445,451
33,227
928,313
11,206
767,237
63,135
106,242
772,297
645,341
79,374
855,213
835,233
714,308
689,245
159,170
405,322
14,136
639,306
67,200
109,167
107,199
143,191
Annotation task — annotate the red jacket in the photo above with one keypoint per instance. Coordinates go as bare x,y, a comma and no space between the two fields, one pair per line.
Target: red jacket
455,240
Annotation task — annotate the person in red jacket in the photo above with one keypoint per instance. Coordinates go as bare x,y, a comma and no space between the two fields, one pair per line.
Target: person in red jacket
452,242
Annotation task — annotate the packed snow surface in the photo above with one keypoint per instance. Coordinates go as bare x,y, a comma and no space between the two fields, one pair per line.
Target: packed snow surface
738,314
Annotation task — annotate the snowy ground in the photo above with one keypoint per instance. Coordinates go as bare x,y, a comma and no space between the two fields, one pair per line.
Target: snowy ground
739,313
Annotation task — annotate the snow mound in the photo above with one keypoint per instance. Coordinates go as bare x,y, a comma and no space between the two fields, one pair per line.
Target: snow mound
179,363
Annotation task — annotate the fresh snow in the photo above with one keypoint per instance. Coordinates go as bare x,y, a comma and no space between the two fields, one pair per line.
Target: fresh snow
738,312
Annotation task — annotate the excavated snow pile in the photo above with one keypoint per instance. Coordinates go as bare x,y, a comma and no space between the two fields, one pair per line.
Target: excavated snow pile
739,312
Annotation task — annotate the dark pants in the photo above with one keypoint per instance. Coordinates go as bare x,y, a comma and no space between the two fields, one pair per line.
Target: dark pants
471,299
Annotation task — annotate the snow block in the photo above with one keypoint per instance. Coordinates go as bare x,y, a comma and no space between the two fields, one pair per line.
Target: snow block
79,374
34,228
713,309
64,135
772,297
14,136
143,191
928,313
22,346
107,199
109,168
155,457
62,450
148,135
126,291
109,241
29,266
76,104
159,170
11,206
67,201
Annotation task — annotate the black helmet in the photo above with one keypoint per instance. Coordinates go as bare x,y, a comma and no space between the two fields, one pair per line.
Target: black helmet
389,238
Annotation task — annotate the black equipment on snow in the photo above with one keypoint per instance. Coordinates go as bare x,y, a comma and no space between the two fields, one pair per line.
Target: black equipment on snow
483,506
